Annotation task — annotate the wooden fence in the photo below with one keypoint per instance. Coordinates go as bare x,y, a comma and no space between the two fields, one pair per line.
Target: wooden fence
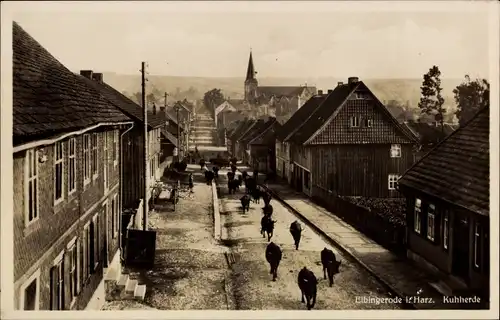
367,221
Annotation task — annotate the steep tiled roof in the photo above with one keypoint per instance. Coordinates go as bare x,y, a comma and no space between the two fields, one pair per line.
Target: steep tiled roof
49,99
299,116
457,169
238,133
331,104
129,107
429,133
325,109
268,134
169,136
260,126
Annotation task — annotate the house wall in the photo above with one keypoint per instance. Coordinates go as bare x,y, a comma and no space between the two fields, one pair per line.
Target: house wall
358,170
301,158
283,160
39,243
260,157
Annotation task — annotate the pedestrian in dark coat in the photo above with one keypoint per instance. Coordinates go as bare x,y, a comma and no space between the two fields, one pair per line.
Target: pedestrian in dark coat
191,185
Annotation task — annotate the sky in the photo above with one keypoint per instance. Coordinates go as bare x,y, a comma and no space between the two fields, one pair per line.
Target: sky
309,39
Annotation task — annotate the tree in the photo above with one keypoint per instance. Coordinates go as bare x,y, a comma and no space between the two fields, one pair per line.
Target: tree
212,99
471,96
431,100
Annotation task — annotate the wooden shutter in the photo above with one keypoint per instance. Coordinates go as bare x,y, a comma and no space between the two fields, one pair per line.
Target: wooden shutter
91,248
53,288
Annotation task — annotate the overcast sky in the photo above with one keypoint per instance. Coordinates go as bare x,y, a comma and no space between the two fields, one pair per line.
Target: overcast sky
288,39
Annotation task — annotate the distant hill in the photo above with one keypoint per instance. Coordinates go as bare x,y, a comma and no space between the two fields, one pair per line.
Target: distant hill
193,88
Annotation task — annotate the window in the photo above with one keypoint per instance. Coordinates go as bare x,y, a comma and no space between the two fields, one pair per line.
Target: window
57,284
94,228
354,122
30,292
114,216
94,155
86,158
71,165
395,151
306,179
477,247
73,269
393,181
368,122
417,222
446,229
58,172
105,173
158,160
86,253
115,147
431,220
31,186
359,95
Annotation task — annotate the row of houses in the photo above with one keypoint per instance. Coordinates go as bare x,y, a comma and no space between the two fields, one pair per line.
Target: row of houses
78,165
345,143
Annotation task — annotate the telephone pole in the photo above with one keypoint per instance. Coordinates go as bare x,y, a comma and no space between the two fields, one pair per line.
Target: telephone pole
145,142
166,94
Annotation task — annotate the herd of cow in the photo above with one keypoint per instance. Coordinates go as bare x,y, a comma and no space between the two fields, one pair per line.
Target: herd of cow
307,281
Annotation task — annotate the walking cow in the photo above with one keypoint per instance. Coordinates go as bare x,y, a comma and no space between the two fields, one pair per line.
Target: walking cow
267,225
245,203
308,287
256,194
209,176
296,231
268,210
330,264
273,257
266,196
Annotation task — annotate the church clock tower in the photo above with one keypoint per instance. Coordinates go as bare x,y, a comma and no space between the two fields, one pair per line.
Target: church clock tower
251,83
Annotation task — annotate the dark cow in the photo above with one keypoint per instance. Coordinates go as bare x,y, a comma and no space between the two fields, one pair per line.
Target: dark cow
256,194
308,287
296,231
209,176
268,210
230,175
267,225
245,203
240,179
256,174
232,185
245,175
215,169
273,256
202,164
233,168
266,196
330,264
250,185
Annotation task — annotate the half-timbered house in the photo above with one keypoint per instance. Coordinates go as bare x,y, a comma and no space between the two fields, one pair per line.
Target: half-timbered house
67,160
447,192
352,144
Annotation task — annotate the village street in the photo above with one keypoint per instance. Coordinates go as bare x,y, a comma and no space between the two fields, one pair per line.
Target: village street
253,288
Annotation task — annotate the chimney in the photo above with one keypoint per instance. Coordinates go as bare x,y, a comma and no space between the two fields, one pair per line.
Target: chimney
86,73
320,92
97,77
352,80
340,83
330,91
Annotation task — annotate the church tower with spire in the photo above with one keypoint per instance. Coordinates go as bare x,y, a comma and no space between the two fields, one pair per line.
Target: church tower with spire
251,83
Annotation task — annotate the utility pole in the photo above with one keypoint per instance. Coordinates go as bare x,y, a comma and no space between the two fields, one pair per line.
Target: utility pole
166,94
145,142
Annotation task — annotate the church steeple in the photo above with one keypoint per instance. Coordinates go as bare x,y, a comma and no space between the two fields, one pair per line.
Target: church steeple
250,69
251,83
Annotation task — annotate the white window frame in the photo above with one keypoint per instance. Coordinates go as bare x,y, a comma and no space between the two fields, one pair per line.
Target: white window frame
417,216
393,179
477,239
72,165
86,252
31,175
431,222
22,291
395,151
74,267
446,229
354,122
94,148
97,241
61,163
369,122
115,147
59,262
106,164
358,95
87,174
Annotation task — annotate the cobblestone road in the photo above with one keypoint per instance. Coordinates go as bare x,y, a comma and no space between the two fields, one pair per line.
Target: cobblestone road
252,285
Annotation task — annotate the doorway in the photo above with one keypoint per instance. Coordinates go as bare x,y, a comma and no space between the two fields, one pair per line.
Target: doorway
461,244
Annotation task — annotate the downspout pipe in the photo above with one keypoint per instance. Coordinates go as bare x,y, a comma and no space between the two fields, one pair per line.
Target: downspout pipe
120,237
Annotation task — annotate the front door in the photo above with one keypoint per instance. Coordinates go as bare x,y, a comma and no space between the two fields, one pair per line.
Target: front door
461,242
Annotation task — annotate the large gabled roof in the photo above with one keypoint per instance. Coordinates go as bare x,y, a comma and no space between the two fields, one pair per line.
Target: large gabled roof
49,99
457,170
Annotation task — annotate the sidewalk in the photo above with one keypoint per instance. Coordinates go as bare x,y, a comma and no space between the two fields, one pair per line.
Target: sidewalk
398,275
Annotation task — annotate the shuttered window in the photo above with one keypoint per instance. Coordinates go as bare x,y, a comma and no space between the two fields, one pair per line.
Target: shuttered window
57,286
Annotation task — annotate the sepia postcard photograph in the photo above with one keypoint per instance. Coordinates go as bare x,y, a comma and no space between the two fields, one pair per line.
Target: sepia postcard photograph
249,159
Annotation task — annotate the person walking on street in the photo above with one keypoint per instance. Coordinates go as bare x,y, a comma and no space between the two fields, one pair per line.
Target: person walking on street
191,185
